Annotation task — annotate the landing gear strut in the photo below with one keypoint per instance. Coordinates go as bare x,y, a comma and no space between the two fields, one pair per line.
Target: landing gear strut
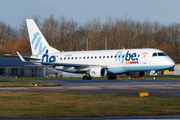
86,77
112,77
154,77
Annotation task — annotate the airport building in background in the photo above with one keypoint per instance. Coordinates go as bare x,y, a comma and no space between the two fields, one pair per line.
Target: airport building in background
177,69
14,67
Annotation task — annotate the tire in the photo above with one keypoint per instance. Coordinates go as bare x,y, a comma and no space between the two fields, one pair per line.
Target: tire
154,77
85,77
89,77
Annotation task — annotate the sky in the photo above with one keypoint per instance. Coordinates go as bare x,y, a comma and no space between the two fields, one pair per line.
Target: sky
14,12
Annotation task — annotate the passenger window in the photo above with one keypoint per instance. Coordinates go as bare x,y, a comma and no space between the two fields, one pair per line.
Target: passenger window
114,56
60,58
91,57
79,57
95,57
154,54
103,56
84,57
107,56
87,57
64,58
119,56
111,56
75,57
99,56
72,58
68,58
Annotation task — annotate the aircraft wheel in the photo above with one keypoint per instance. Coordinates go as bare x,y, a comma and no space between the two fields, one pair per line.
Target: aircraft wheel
154,77
89,77
85,77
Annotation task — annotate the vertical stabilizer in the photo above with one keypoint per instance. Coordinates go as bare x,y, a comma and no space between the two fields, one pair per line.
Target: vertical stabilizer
39,45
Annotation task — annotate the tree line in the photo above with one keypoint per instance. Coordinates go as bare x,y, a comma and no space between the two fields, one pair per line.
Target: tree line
67,35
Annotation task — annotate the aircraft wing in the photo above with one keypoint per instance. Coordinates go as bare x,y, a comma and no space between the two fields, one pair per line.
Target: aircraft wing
67,65
64,64
81,67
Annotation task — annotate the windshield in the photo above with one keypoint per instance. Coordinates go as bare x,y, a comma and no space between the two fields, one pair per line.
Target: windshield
162,54
159,54
154,54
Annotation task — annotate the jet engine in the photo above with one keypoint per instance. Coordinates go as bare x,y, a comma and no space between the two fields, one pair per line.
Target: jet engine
97,72
136,74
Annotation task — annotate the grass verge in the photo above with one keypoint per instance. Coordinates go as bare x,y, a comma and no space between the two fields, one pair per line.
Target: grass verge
25,84
56,105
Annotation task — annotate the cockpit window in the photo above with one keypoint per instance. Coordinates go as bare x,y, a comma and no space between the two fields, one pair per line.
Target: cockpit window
162,54
154,54
159,54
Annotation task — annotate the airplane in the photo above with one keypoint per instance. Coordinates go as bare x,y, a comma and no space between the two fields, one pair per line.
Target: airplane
95,63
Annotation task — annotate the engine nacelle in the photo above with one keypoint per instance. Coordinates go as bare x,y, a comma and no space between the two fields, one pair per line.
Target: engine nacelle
136,74
97,72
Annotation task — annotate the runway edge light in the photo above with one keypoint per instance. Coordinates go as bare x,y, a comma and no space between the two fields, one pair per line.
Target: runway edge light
143,94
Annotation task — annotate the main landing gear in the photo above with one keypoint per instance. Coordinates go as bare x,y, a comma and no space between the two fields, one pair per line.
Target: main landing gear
112,77
86,77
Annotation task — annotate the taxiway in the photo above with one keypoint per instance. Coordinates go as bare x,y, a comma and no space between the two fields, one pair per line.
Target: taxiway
160,87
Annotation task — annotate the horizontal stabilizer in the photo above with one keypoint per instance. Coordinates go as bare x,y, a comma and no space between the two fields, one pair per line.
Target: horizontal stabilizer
10,55
27,58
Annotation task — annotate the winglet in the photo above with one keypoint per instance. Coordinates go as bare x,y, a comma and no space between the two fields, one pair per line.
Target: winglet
22,59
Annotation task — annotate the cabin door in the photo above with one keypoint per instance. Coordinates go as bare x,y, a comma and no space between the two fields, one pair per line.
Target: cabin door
144,59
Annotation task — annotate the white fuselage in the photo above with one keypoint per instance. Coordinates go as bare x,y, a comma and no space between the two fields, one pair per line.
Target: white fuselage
117,61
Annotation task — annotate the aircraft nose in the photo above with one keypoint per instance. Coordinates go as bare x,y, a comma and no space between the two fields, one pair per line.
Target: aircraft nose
171,63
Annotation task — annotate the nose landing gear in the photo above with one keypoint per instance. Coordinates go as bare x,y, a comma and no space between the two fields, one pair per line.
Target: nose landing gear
154,76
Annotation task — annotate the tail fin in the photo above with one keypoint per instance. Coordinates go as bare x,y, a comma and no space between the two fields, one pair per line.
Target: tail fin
39,45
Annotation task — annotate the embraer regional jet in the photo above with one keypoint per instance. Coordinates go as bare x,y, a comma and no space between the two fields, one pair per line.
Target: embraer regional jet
98,63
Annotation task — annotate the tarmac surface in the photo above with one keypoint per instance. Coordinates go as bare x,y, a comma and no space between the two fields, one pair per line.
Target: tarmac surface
160,87
152,117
